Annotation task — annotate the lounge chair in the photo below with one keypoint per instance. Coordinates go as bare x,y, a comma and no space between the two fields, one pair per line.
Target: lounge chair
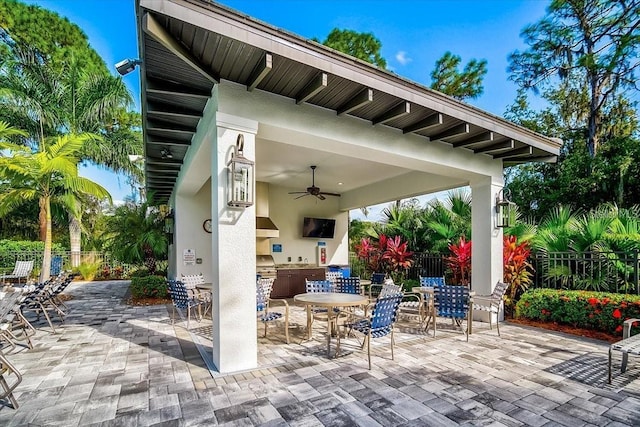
21,270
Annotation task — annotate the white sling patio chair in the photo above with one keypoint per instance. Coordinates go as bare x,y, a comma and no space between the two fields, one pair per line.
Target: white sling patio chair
21,270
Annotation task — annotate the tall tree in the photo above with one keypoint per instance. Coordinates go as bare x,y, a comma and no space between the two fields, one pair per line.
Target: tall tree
595,42
57,75
364,46
54,39
465,84
49,176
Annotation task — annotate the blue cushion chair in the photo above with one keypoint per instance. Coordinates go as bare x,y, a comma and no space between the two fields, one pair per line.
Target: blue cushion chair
452,302
379,324
182,300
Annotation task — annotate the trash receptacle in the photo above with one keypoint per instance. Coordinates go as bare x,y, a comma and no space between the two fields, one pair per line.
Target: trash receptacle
346,271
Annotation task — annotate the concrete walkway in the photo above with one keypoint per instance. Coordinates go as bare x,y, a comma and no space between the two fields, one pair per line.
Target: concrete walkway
114,364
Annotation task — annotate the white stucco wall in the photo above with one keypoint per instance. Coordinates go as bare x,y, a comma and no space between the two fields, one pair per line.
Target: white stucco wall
288,213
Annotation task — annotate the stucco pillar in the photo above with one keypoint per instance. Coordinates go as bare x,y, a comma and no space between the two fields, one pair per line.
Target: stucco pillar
233,241
486,252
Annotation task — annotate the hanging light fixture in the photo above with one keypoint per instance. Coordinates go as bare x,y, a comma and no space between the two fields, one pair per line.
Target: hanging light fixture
166,154
240,180
503,208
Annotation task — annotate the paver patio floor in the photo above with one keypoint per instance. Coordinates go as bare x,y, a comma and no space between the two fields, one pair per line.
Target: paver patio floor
115,364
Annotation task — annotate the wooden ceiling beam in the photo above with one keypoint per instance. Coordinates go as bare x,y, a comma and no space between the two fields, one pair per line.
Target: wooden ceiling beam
431,121
363,98
518,152
502,145
260,71
457,130
162,87
317,84
154,161
483,137
166,142
393,113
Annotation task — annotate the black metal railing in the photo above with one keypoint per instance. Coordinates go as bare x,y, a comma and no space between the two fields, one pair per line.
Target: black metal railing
425,264
617,272
593,271
105,264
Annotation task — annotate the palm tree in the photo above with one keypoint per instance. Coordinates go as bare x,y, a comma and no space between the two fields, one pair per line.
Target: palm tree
137,234
50,176
47,103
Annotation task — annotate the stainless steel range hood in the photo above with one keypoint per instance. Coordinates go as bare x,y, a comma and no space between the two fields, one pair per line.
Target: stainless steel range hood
266,228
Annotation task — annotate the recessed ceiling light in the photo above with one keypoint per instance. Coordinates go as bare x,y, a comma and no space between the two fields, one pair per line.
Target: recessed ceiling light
339,183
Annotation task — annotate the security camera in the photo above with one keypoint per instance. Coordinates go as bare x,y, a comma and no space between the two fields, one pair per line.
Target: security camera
126,66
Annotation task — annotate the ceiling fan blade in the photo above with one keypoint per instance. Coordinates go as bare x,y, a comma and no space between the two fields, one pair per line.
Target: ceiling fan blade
305,194
330,194
320,196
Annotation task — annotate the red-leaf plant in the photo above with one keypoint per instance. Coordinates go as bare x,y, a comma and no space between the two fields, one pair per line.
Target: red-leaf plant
387,255
517,269
460,262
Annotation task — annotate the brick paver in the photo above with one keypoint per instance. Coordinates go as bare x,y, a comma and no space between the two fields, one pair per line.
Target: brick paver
115,364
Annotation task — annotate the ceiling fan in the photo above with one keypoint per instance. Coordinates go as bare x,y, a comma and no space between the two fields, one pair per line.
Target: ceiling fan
313,190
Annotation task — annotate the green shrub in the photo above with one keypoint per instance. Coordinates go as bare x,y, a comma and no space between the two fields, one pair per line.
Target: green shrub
89,270
141,272
149,287
598,311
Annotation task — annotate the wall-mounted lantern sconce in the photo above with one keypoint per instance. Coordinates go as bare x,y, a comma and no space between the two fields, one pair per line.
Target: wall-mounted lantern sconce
168,224
240,177
503,208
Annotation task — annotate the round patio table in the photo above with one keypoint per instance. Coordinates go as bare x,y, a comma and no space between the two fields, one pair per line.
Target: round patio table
330,300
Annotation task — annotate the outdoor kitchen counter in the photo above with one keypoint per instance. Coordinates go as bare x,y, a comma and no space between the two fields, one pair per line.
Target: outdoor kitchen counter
290,280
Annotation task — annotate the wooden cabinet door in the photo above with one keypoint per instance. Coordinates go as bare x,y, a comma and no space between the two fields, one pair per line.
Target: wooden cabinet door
282,285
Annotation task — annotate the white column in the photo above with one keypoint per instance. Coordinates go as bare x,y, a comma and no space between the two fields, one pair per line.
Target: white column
233,241
486,252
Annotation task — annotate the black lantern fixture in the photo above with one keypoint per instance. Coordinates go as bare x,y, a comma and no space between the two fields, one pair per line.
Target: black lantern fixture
503,208
240,177
169,224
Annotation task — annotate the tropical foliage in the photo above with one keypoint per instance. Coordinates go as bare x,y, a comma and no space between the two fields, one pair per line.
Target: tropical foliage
590,310
517,271
388,255
137,235
459,262
48,175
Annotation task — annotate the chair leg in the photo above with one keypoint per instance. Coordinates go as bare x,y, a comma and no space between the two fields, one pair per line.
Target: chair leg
46,315
392,344
609,365
286,324
625,359
369,348
173,315
498,321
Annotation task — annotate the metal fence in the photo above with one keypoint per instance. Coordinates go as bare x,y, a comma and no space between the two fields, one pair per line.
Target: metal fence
106,266
425,264
617,272
594,271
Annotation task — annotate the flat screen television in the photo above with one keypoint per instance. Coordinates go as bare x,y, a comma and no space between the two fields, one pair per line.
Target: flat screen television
320,228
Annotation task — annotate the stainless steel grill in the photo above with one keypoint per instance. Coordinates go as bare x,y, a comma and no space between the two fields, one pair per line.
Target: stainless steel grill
266,266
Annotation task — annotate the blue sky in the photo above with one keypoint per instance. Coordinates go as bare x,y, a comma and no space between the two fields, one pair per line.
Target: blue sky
414,34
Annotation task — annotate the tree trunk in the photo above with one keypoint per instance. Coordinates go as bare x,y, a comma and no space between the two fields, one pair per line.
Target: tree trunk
45,210
75,240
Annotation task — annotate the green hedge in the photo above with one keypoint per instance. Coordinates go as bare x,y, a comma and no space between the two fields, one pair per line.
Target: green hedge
149,287
599,311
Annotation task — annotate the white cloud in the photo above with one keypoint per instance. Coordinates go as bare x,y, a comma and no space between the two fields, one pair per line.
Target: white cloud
402,57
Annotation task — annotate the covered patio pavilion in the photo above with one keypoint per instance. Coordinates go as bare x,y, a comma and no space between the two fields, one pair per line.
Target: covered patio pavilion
209,74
